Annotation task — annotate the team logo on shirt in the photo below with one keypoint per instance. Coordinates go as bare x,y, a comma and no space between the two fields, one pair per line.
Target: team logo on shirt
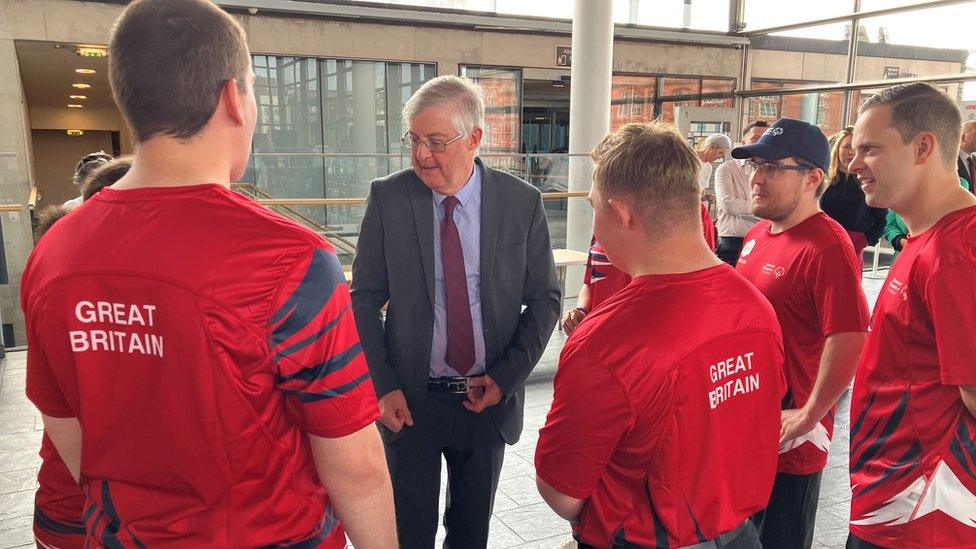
897,288
747,249
776,271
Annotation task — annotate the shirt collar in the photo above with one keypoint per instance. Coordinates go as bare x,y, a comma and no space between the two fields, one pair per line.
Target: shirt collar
470,189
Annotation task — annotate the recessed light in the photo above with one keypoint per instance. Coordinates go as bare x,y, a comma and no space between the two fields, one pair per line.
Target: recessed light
81,86
75,106
77,97
75,133
85,71
98,52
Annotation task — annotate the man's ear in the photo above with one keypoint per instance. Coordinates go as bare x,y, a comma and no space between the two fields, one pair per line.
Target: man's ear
926,145
474,140
622,212
232,101
815,177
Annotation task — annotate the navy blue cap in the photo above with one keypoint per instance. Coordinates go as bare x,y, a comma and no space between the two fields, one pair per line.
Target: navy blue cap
786,138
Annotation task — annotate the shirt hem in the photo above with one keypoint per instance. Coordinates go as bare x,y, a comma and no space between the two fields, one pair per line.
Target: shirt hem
885,542
560,487
802,470
343,431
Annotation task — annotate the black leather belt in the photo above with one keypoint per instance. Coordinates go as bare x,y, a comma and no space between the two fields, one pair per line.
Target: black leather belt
454,385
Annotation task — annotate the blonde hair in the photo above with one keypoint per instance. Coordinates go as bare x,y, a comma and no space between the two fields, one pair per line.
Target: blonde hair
835,141
652,164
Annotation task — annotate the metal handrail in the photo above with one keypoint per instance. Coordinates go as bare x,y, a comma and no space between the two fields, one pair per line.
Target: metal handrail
361,201
339,241
407,155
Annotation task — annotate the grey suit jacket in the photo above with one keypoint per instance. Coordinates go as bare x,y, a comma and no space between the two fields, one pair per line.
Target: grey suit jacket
394,263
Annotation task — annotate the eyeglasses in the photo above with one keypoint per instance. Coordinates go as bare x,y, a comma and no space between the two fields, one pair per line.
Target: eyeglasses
411,141
771,169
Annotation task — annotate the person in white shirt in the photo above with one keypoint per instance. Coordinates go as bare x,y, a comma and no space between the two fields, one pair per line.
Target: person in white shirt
711,149
732,199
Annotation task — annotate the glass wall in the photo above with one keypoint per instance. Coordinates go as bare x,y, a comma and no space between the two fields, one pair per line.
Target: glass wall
326,128
631,99
697,14
674,90
824,110
894,46
503,114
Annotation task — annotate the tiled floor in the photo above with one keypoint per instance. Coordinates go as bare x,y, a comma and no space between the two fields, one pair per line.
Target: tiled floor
520,519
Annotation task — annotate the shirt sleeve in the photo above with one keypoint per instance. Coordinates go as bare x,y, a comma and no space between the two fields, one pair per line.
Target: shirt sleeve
43,388
837,293
589,415
950,294
317,358
589,264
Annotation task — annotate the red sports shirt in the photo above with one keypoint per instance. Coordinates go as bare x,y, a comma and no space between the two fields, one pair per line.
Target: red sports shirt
58,503
708,227
602,277
197,337
665,416
812,277
913,442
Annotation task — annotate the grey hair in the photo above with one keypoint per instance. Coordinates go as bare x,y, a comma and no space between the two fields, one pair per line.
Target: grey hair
717,140
919,107
463,94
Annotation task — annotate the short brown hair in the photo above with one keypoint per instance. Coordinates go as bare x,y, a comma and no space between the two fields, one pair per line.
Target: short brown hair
918,107
106,176
169,60
46,219
655,166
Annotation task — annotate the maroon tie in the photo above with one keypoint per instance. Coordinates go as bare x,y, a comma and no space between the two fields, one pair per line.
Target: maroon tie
972,174
460,333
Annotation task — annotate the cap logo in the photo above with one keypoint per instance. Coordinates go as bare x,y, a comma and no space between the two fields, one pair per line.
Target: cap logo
774,131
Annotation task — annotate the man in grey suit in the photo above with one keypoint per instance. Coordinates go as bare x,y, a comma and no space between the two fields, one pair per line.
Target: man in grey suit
455,250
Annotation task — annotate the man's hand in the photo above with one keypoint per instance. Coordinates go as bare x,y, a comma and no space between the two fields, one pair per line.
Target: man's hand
572,320
394,412
795,423
482,393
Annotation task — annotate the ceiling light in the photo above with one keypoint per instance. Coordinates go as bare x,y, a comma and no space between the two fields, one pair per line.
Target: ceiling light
97,52
75,133
81,86
75,106
85,71
77,97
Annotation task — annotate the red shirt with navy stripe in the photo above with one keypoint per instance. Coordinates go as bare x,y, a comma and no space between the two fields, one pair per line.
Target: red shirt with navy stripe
198,338
665,414
604,279
913,441
811,275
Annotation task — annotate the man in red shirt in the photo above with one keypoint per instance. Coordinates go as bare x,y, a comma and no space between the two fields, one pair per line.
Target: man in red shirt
601,279
664,424
804,263
913,411
201,377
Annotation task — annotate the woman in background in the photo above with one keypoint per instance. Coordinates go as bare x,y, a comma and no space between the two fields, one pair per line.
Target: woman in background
843,200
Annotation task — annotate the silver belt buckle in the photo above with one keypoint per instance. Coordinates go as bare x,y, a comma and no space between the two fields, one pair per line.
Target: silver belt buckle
459,386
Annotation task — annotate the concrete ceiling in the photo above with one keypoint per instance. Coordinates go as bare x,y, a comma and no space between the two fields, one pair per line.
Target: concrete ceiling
48,71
